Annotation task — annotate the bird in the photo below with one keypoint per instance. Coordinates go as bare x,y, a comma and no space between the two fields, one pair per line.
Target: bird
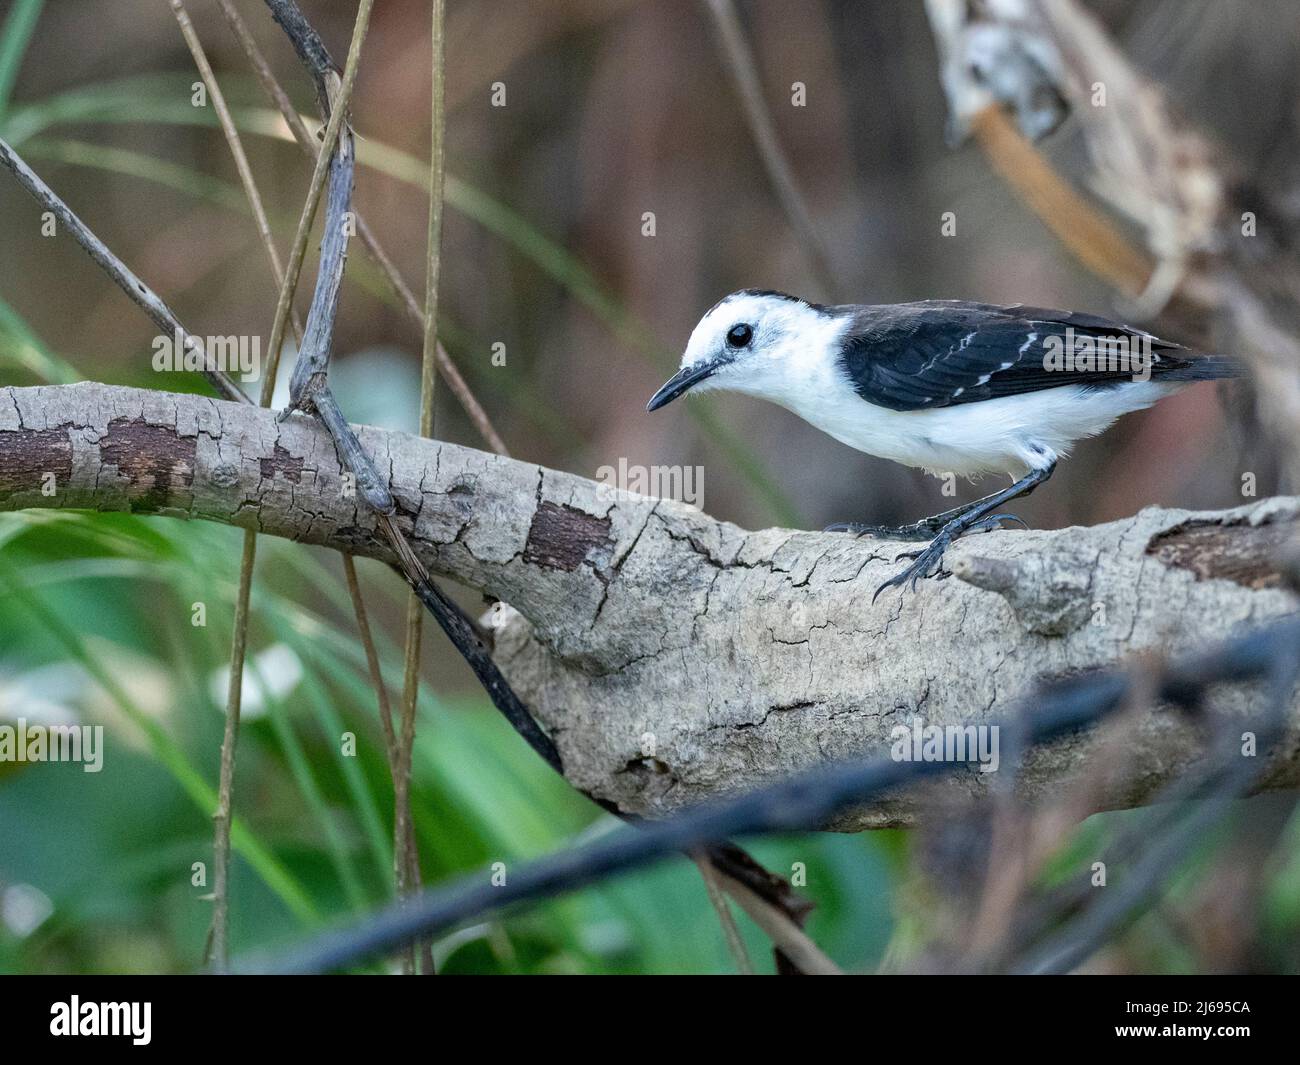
949,386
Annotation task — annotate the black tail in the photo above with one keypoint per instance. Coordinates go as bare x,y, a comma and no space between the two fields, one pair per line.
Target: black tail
1202,368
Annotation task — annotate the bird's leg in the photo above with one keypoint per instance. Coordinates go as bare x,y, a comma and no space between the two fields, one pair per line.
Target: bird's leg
925,529
977,515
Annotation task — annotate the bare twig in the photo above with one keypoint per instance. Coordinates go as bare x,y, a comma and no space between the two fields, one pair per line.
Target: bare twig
219,940
372,657
334,134
408,874
743,67
140,293
788,938
730,933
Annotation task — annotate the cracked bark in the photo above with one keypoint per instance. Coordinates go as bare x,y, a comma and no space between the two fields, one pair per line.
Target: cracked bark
672,657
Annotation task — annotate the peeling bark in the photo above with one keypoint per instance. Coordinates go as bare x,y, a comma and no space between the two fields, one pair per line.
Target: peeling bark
673,657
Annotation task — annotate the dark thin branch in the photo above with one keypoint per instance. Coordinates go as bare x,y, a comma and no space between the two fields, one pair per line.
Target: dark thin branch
744,73
463,634
307,43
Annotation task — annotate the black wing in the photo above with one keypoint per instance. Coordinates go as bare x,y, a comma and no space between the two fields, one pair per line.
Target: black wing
939,353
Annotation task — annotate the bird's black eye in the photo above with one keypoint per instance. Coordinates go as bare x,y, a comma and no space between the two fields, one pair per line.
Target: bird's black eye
740,335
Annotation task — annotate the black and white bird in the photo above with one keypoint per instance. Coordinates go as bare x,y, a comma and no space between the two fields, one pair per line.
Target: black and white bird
946,385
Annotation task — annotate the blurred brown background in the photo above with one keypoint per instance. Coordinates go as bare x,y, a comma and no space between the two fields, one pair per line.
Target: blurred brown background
613,109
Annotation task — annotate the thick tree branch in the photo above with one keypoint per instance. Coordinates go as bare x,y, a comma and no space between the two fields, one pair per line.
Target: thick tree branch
674,658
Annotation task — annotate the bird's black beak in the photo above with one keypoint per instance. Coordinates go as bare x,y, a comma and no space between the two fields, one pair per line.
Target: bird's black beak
680,382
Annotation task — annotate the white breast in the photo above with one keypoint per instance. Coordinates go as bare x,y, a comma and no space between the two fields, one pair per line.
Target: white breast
1011,434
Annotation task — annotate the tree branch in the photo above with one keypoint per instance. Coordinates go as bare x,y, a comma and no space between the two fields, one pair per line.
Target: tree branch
674,658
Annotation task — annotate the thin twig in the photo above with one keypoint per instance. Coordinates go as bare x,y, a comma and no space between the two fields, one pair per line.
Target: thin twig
743,67
787,937
333,129
404,876
730,933
372,659
140,293
219,940
408,875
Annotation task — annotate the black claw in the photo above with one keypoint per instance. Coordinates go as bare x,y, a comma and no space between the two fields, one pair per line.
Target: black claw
927,563
994,521
888,584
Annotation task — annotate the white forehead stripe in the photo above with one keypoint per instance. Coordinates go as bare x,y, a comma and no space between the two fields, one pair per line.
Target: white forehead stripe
771,317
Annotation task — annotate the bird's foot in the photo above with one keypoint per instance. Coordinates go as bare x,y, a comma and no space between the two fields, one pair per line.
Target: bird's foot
929,559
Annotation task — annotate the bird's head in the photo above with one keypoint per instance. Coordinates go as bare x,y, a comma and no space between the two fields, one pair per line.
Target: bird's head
753,341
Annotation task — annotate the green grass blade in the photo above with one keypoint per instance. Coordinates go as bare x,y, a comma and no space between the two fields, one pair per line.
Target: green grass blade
122,161
378,838
300,769
15,35
21,346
